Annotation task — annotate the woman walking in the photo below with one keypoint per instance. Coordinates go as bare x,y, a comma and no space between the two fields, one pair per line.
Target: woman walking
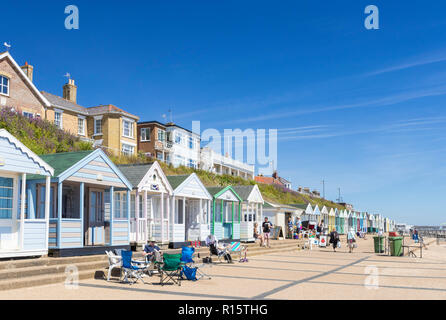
351,239
334,239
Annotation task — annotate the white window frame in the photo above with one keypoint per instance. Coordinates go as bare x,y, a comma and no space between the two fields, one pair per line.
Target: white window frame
7,86
60,112
131,127
27,114
96,133
132,148
147,136
81,118
163,134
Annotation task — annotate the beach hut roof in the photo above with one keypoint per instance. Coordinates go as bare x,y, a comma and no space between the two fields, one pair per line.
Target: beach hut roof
189,185
66,164
218,191
139,174
249,193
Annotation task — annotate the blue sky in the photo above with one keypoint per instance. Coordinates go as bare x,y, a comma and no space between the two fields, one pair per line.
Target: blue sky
361,109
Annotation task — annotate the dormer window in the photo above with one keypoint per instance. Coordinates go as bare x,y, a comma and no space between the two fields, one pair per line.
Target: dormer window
4,85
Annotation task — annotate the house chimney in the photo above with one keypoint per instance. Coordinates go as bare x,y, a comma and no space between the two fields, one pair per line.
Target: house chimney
70,91
28,70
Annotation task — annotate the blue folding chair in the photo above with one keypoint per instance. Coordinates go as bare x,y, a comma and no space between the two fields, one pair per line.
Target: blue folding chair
187,254
130,269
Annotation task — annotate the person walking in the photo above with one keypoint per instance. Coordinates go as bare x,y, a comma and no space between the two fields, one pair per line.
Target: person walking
351,240
334,239
266,225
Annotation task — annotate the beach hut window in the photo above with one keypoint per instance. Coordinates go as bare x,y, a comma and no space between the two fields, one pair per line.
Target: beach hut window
121,205
156,203
179,212
132,206
236,212
141,206
70,202
6,197
217,212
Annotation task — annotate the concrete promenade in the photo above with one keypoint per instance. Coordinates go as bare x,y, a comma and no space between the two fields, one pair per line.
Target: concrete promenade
301,275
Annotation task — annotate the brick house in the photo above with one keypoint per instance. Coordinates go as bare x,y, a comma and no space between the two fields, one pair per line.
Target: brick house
106,125
17,89
152,140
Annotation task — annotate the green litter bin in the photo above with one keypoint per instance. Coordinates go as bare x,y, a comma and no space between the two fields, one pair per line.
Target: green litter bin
396,246
379,244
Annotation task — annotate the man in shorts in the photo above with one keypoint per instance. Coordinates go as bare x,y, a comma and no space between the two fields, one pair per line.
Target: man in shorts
266,230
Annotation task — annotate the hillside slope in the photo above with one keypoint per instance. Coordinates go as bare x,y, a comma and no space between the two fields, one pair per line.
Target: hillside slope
41,136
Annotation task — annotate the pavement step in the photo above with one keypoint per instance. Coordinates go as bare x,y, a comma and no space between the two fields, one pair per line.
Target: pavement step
43,280
48,261
35,276
28,272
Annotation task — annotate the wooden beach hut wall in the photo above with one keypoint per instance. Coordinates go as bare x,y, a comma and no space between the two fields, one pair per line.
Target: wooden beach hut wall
346,221
308,213
23,227
226,213
324,216
191,210
252,210
360,217
149,202
316,214
370,223
350,220
85,216
331,220
337,220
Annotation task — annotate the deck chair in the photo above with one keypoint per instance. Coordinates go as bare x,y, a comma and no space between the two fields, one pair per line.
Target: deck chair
213,250
170,269
242,250
187,260
130,269
114,261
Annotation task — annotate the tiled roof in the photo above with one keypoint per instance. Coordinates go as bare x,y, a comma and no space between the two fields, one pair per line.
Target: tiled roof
60,102
175,181
214,190
64,103
134,172
299,206
93,111
243,191
267,180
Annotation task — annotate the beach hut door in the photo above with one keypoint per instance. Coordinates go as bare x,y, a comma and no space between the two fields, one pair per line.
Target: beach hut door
95,227
192,220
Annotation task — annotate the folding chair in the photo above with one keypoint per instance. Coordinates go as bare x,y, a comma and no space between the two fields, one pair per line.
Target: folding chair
170,269
130,269
213,250
187,260
114,261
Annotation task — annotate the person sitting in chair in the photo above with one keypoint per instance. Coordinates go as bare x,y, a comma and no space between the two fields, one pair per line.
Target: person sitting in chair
212,243
149,251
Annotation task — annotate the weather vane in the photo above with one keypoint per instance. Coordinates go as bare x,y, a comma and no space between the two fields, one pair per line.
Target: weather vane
7,46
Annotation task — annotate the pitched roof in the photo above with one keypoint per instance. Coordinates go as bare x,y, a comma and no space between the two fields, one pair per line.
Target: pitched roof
175,181
64,103
19,70
135,172
214,190
93,111
60,102
267,205
299,206
63,161
243,191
